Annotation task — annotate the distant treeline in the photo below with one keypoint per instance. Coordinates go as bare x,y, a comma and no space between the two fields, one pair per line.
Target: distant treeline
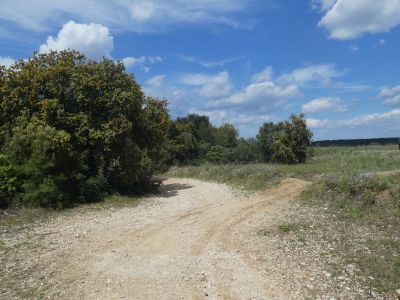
356,142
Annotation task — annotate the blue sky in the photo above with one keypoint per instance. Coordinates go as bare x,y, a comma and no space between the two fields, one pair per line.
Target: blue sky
238,61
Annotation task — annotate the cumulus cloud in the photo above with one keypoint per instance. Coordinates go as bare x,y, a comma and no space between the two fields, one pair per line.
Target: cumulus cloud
94,40
390,95
264,75
266,96
156,81
323,73
128,15
6,61
209,86
349,19
393,115
385,124
316,123
325,104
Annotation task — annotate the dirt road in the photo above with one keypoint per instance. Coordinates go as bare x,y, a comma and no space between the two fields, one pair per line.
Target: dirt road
195,240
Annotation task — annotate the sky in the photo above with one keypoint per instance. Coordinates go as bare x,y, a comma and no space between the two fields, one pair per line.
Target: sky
243,62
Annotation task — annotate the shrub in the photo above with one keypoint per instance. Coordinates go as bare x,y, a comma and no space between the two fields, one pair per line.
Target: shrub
74,129
218,154
8,181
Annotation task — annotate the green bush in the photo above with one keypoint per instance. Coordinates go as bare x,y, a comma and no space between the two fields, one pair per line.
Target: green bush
75,129
8,181
285,142
218,155
38,153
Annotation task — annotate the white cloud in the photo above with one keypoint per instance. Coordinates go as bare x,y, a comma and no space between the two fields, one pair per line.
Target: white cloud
156,81
210,86
142,11
208,63
263,96
264,75
128,15
131,62
94,40
326,104
316,123
372,118
265,93
322,5
349,19
6,61
313,73
387,118
382,42
390,95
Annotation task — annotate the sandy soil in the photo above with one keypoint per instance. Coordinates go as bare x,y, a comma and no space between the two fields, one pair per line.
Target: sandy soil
195,240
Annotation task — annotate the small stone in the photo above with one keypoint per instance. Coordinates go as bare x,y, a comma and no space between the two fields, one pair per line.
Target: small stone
328,274
206,294
309,286
398,294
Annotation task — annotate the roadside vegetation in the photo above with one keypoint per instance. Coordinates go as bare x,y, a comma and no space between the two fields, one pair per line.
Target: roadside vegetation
322,162
366,212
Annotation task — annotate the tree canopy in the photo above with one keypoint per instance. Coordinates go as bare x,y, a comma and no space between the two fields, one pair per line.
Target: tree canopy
74,128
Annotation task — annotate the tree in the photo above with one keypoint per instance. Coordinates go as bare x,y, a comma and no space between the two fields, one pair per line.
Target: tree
78,125
300,136
285,142
265,138
246,151
226,136
218,154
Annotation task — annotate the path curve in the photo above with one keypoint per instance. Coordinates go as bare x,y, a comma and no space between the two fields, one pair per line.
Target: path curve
189,242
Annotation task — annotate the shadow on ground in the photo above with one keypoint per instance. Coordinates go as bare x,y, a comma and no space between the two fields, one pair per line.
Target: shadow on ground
172,189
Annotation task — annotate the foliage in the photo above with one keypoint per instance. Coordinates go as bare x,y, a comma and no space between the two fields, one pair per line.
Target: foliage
226,136
218,154
265,139
8,181
193,136
75,129
246,151
285,142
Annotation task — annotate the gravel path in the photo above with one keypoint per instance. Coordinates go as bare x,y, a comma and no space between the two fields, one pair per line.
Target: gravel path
195,240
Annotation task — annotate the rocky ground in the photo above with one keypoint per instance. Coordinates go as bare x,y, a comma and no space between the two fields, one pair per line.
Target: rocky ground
195,240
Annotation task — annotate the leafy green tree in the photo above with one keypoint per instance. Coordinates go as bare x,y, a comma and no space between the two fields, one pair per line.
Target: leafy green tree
79,126
265,138
8,181
290,143
218,154
246,151
227,136
300,136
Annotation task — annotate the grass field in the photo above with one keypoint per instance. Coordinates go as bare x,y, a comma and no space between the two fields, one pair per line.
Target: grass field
325,161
